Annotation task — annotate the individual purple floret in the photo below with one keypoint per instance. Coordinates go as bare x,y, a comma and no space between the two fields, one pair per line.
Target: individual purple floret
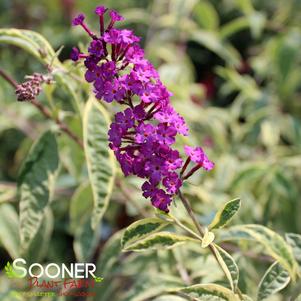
141,136
197,155
78,20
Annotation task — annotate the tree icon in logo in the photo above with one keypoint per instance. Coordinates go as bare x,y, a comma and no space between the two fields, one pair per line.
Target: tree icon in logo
98,279
10,272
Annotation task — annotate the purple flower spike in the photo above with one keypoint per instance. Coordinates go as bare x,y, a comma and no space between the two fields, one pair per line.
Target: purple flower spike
78,20
142,135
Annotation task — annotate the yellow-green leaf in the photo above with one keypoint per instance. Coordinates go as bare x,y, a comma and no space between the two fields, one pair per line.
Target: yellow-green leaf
100,159
206,15
225,214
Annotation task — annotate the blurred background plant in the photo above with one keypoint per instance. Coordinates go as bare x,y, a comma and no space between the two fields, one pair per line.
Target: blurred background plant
234,69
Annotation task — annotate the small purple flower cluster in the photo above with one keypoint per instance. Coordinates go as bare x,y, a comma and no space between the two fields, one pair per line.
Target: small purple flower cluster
143,134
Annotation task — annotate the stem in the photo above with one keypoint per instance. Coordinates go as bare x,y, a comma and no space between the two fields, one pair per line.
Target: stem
191,213
201,231
181,225
101,25
131,102
45,111
124,53
185,166
113,52
90,33
191,172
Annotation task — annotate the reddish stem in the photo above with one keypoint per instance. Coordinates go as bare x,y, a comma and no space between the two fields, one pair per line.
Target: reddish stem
90,33
113,52
101,25
45,111
185,166
192,171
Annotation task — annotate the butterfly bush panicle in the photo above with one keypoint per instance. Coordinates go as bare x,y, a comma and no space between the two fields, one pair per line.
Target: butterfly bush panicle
143,134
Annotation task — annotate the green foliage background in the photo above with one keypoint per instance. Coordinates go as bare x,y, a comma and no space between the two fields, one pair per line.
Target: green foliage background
234,69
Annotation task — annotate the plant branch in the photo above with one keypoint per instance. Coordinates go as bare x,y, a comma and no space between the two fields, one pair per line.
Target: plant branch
181,225
201,231
45,111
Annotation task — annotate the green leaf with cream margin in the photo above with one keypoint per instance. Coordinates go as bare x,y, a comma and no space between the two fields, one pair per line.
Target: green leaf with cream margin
274,244
225,214
294,240
209,292
140,229
229,266
274,280
36,185
160,240
100,159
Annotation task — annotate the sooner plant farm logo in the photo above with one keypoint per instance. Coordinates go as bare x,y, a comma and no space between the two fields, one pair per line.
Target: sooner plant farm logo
61,279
